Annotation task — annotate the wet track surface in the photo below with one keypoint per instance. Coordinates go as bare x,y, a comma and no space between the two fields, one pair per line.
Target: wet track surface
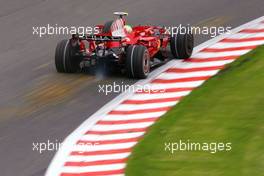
38,104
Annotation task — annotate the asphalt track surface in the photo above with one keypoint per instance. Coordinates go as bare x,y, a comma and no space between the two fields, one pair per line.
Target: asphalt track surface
36,103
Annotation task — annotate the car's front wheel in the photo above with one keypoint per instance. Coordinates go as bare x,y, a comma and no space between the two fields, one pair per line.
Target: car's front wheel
182,45
137,61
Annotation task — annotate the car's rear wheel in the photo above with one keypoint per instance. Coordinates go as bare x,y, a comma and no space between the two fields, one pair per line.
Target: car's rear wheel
65,59
182,45
137,61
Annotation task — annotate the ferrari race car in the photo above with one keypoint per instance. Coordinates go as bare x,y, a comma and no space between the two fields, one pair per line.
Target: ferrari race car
134,49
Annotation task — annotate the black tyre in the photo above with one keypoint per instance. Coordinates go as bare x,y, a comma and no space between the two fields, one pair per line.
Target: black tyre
65,59
137,61
107,27
182,45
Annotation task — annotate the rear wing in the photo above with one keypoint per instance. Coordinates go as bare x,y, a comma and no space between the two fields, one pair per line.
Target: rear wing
93,37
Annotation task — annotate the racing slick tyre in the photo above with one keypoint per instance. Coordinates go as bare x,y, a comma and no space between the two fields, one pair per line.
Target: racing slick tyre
137,61
65,61
181,45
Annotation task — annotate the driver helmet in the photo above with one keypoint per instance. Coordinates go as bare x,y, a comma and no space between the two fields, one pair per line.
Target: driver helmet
128,28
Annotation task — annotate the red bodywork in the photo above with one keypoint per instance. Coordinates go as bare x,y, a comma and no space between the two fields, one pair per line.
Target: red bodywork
152,37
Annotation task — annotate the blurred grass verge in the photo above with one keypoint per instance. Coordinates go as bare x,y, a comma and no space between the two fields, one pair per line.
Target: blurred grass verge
227,108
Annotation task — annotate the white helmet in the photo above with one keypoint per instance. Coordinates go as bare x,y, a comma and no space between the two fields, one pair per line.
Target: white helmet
128,28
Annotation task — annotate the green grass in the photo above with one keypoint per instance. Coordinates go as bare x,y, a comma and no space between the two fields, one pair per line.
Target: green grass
227,108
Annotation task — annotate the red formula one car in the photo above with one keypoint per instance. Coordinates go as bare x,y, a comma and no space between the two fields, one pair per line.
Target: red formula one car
134,50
